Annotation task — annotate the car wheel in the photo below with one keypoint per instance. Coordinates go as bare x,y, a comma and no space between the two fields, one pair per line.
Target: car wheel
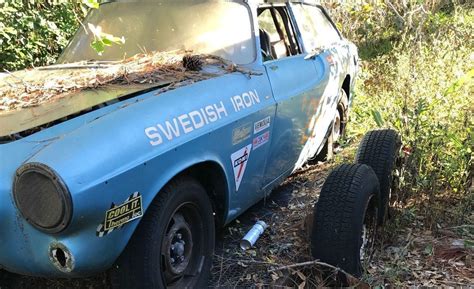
337,130
344,218
379,149
174,243
340,119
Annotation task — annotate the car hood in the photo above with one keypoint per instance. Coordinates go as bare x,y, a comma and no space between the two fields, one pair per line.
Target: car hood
19,120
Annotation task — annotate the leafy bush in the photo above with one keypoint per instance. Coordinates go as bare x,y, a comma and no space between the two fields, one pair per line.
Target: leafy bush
33,33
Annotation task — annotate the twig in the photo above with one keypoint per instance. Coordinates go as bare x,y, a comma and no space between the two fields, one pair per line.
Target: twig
26,85
246,261
80,22
395,10
314,262
74,66
461,226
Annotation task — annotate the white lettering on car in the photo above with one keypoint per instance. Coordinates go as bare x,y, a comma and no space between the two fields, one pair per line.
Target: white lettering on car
199,118
220,110
193,115
170,129
246,100
152,133
185,123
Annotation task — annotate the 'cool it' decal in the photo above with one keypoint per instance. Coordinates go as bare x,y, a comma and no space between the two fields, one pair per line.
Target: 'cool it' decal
117,216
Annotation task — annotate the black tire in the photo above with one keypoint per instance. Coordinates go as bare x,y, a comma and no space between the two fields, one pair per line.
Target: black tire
181,212
346,209
379,149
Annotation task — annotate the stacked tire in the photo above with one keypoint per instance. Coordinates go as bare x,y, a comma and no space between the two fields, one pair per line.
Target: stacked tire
354,202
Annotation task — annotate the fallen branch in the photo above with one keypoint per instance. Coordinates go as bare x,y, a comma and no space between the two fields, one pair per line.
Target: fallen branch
351,280
314,262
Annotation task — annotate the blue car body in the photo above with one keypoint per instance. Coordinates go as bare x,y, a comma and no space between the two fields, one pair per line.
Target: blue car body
249,132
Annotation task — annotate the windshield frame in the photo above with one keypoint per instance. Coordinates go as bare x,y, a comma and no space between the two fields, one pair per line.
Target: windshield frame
244,3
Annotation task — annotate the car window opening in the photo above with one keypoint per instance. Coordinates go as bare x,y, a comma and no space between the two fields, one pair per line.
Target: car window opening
277,36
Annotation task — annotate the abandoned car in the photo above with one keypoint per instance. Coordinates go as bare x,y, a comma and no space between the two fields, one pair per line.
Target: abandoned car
135,178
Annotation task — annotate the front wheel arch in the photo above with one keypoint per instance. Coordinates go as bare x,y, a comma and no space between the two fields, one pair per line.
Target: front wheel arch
213,178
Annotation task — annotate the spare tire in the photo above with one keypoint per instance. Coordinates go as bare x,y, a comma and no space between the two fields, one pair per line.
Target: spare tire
379,149
345,222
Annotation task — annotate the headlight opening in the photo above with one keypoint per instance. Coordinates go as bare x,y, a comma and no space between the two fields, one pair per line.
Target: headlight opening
42,197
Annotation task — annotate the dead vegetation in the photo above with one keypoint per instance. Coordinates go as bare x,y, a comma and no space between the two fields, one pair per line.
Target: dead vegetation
37,86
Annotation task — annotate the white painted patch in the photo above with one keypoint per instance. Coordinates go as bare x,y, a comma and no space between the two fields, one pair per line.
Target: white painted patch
261,125
239,163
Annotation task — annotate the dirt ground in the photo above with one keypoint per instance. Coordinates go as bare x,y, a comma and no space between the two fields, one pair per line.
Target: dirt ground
405,255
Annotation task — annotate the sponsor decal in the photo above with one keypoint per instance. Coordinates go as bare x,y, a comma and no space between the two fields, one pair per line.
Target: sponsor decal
261,125
239,163
117,216
260,140
241,133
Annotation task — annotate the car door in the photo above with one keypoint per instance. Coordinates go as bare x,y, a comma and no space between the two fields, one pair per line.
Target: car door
297,88
324,45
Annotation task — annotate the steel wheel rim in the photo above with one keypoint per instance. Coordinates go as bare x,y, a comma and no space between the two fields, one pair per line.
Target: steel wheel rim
183,238
336,128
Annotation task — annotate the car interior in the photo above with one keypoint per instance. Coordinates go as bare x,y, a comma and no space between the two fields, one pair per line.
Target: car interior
277,35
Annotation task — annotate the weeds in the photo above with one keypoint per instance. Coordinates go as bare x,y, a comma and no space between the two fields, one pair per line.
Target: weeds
417,77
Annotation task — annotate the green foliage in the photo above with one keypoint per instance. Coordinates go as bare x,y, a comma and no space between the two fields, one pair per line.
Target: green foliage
94,4
33,33
102,39
423,87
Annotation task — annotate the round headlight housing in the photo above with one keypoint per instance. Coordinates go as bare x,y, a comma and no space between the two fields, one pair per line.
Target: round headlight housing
42,197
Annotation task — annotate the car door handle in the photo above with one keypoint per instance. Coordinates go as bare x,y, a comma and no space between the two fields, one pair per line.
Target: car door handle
274,67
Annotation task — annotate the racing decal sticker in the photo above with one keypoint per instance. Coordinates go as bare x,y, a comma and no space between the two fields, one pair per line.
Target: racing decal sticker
117,216
241,133
260,140
239,163
261,125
